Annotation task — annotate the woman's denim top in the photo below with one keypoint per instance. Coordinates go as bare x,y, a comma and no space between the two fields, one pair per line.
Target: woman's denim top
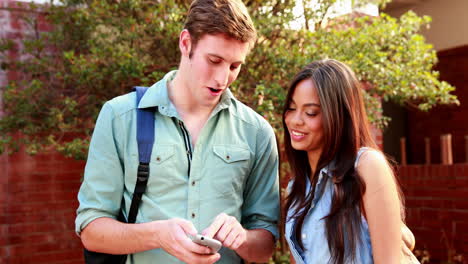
314,236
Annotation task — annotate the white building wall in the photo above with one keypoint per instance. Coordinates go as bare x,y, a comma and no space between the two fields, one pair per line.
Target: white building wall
449,26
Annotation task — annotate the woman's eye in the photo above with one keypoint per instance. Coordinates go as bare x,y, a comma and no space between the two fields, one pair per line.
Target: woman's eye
290,109
311,114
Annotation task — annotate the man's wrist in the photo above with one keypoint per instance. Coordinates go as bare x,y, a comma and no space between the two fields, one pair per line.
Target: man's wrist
149,233
256,247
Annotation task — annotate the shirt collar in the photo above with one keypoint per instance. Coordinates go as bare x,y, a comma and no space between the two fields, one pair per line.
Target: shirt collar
327,171
224,102
157,95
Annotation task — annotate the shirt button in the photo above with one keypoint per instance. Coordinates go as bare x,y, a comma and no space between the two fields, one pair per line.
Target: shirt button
228,157
158,159
193,183
193,215
304,236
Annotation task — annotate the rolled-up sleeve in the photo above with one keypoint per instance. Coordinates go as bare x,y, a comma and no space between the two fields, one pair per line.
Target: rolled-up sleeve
261,195
101,191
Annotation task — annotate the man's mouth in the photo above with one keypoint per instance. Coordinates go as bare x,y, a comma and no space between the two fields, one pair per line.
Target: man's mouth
215,90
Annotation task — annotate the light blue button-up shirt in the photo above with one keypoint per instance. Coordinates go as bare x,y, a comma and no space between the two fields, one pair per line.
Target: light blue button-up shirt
233,169
314,236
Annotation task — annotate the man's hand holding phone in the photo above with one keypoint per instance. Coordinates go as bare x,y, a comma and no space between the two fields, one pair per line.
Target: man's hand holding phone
213,244
173,237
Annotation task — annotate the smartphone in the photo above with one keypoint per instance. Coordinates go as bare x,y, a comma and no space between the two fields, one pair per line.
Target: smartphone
211,243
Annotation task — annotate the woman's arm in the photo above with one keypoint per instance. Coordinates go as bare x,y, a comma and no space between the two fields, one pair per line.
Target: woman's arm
381,206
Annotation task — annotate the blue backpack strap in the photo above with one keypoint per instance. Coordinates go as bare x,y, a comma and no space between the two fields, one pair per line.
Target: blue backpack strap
145,128
145,140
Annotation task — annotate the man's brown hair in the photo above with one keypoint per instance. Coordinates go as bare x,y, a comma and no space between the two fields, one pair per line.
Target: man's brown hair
229,17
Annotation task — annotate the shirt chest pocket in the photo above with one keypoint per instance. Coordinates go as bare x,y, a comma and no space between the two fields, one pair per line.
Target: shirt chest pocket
231,165
162,154
163,175
161,166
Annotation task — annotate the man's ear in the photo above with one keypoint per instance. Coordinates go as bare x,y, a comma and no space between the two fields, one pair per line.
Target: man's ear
185,43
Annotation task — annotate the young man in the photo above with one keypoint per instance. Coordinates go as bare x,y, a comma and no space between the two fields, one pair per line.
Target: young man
214,164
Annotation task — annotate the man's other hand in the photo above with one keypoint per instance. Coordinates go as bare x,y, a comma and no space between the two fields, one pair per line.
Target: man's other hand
228,230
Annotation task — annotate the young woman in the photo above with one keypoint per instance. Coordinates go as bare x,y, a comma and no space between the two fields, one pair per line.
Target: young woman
343,204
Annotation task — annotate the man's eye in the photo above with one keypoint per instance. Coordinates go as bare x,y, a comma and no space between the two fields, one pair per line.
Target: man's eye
233,67
215,61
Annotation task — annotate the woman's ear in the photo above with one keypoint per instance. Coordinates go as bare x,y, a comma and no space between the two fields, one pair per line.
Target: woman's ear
185,43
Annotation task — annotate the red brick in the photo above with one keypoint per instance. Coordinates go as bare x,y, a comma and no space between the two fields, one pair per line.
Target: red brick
29,228
57,256
461,227
461,181
43,24
54,167
45,187
459,215
460,204
16,23
36,217
12,75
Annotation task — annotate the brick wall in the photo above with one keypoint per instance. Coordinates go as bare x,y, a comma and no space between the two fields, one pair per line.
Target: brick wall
37,212
37,194
437,207
453,68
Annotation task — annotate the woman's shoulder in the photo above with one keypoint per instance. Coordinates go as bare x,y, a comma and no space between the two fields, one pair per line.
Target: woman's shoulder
373,167
366,155
366,151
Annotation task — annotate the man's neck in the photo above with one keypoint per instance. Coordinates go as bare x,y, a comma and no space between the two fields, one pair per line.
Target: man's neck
191,112
180,95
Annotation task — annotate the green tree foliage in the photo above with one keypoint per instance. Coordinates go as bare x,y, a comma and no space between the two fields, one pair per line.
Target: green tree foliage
99,49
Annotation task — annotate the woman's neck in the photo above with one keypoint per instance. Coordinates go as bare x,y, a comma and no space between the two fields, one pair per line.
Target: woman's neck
313,157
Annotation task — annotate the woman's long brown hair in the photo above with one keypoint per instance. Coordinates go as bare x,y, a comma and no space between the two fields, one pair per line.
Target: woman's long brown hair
346,129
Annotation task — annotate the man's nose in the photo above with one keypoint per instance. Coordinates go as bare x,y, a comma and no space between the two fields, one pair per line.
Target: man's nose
222,77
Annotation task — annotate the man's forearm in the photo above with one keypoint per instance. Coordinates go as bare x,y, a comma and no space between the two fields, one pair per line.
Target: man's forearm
107,235
258,247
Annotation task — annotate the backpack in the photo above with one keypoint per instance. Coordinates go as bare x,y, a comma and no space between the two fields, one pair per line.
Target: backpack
145,140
